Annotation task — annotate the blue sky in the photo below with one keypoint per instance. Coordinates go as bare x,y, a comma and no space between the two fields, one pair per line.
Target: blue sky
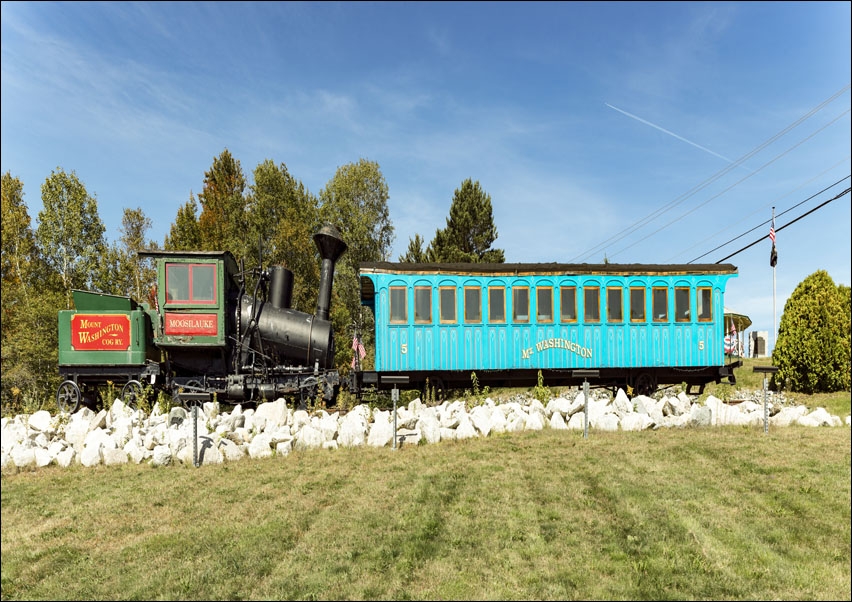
635,132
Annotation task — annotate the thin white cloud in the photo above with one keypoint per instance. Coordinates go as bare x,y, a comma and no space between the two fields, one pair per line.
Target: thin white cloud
665,131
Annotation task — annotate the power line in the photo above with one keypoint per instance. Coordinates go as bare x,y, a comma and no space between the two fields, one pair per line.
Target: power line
636,226
767,221
744,178
845,192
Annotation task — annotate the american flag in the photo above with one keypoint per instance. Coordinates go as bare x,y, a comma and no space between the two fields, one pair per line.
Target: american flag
773,256
358,347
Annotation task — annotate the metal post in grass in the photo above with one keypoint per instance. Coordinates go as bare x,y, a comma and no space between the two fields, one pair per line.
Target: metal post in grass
195,434
395,397
585,375
395,380
766,370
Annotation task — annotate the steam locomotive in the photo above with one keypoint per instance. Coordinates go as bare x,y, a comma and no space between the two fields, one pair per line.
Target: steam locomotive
204,336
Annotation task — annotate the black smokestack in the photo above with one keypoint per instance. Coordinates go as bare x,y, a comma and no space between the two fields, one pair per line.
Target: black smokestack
331,247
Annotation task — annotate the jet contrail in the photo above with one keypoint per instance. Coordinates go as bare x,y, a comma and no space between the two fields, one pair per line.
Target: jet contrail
707,150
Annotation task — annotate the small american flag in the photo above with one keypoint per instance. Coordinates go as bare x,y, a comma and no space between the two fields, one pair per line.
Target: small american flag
773,255
358,347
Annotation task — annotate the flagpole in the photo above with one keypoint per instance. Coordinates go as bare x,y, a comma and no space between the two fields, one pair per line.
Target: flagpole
774,314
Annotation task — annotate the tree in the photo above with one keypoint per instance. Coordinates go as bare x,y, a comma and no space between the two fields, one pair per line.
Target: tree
29,312
70,234
415,252
222,223
18,242
283,217
123,272
355,200
470,229
812,352
184,234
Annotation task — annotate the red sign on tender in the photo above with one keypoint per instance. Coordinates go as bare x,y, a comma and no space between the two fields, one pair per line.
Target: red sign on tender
191,324
100,332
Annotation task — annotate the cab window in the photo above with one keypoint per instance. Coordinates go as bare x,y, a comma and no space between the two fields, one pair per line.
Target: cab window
191,283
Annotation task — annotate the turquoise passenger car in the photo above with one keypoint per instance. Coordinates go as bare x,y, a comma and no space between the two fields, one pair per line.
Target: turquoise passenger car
632,326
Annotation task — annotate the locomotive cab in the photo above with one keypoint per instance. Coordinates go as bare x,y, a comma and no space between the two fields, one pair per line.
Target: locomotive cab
195,311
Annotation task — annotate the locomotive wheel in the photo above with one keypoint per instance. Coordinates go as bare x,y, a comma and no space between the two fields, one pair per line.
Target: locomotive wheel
131,393
68,397
644,384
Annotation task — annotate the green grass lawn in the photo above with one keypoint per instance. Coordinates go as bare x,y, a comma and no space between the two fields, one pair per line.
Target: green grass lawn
705,514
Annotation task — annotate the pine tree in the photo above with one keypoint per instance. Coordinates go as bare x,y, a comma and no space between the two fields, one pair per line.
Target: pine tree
223,221
470,229
184,234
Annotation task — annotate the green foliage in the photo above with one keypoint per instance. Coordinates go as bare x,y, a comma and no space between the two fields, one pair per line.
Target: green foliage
19,252
184,234
813,348
470,229
30,348
70,233
223,223
282,218
355,200
541,392
476,394
122,271
415,252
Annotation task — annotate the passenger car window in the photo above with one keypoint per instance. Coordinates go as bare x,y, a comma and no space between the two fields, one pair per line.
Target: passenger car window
472,305
614,305
592,304
681,304
448,304
568,303
497,304
704,299
423,304
521,304
544,304
398,305
637,304
661,304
